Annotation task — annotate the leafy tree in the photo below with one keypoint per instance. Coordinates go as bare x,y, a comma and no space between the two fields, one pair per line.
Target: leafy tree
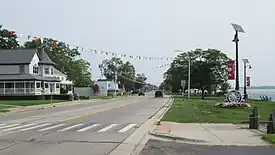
110,67
208,70
77,70
126,75
140,81
125,72
225,86
8,39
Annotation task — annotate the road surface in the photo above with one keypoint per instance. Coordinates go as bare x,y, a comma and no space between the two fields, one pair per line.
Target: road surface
158,147
94,127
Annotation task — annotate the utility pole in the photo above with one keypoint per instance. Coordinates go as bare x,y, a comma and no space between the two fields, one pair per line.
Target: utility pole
189,76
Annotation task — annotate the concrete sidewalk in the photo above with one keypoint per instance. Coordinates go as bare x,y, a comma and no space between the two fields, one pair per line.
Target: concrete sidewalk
209,134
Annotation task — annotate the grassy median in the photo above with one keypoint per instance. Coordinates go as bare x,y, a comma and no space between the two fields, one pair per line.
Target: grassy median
270,138
203,111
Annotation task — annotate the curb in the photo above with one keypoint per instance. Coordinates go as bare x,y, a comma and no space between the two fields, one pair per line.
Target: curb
167,106
134,144
172,137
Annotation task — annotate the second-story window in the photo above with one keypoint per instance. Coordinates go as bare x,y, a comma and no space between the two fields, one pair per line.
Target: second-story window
22,69
35,70
51,71
47,71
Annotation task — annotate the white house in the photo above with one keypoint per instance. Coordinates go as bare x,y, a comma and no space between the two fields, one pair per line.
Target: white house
30,72
106,87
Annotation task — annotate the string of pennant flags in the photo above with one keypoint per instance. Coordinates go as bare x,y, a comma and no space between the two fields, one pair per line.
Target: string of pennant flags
162,66
46,41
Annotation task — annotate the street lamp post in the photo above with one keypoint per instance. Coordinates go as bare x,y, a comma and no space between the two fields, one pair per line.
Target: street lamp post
237,29
189,73
245,62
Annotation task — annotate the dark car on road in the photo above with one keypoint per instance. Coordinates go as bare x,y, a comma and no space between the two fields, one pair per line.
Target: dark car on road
158,93
141,94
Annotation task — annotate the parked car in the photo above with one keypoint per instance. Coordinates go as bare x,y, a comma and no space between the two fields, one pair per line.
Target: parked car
158,93
141,94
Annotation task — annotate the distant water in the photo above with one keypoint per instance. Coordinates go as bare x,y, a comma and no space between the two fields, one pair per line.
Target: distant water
256,93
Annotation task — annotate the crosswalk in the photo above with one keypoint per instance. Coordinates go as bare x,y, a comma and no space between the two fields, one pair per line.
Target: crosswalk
67,127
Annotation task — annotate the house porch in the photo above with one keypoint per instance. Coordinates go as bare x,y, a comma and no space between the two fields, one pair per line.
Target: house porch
22,88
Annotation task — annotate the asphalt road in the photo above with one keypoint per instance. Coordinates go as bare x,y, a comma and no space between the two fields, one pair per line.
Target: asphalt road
158,147
94,127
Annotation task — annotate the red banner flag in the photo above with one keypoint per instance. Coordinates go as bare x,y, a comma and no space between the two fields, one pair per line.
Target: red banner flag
231,69
248,81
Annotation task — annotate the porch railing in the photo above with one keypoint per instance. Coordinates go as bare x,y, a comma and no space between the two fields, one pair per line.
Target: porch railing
17,91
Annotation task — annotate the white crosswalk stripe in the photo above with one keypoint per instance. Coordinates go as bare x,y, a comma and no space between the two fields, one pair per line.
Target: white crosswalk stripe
52,127
71,127
18,127
107,128
7,126
127,128
35,127
88,127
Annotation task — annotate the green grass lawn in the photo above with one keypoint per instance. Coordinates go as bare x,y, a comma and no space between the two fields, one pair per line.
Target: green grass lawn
203,111
3,108
27,102
270,138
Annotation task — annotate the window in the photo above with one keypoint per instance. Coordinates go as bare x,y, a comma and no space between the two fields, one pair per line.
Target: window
35,70
38,85
109,85
21,69
52,71
47,71
57,85
46,85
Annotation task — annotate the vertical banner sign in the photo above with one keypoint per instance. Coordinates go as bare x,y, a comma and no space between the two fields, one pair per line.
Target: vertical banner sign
248,81
231,69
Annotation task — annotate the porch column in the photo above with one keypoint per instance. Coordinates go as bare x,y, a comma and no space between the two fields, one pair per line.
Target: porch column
35,87
4,87
25,87
14,87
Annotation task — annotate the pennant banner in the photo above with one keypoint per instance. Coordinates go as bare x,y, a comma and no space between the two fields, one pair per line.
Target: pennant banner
231,69
46,41
248,81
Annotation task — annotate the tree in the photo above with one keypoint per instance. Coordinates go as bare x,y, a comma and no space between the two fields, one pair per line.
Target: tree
140,81
110,67
66,59
126,75
225,86
125,72
8,39
208,70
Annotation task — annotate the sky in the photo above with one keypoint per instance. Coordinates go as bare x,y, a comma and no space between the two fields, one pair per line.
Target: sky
152,28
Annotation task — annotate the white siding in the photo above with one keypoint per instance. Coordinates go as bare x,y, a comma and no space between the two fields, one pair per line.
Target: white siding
42,70
103,87
9,69
34,62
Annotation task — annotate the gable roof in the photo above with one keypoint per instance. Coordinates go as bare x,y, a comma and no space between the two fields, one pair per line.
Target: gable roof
57,72
18,56
23,56
44,58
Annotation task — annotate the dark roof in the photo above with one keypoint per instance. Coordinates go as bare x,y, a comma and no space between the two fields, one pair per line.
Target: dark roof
24,56
44,58
18,56
21,77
